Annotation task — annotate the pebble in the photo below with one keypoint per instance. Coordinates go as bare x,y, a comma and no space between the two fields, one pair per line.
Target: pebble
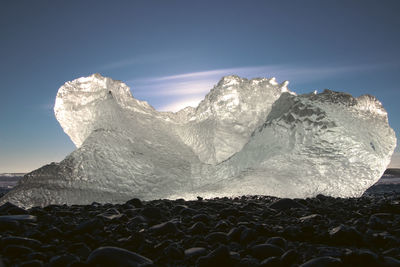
114,256
243,231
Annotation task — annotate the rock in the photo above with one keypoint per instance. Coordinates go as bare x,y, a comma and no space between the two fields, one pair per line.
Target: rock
289,257
343,234
263,251
164,228
378,221
195,252
285,204
18,218
16,250
322,262
9,225
390,262
114,256
198,228
22,241
271,262
218,257
201,218
234,234
36,256
248,235
217,237
63,260
90,226
80,249
247,262
31,263
361,257
152,213
135,202
174,252
11,209
222,225
277,241
229,212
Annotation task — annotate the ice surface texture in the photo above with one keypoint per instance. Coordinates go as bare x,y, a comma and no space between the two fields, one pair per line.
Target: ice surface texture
246,137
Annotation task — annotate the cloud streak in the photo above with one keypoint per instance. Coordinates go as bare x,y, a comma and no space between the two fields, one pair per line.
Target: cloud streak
140,59
191,87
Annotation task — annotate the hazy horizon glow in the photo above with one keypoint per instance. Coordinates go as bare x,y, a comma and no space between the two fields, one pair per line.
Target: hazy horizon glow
171,54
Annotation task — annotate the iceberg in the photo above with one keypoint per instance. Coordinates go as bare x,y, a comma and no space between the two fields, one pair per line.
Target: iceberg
246,137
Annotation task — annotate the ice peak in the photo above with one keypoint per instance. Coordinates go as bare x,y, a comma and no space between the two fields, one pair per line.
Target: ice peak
229,80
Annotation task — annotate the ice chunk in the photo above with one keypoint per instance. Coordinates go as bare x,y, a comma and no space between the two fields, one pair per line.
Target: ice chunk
246,137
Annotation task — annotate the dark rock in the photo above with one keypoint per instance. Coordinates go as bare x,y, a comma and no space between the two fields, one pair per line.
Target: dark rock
174,252
9,208
322,262
152,213
234,234
63,260
224,213
19,218
285,204
390,262
164,228
195,252
263,251
361,257
9,225
31,263
277,241
114,256
80,249
217,237
222,225
198,228
188,212
378,221
36,256
289,257
343,234
90,226
201,218
22,241
218,257
247,262
138,219
271,262
16,250
135,202
248,235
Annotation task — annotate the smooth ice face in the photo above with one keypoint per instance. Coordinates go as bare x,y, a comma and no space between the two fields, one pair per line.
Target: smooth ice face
245,137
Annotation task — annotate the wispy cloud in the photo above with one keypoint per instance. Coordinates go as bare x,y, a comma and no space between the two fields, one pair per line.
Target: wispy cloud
141,59
187,87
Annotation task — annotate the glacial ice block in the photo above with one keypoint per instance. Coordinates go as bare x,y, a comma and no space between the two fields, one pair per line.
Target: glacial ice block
246,137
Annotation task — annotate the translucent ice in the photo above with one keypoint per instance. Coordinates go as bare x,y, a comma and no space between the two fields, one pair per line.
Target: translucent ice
245,137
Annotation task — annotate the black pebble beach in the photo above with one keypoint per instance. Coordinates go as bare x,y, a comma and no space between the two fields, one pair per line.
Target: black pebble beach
244,231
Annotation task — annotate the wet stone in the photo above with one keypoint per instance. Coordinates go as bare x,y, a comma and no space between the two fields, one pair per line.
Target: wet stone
322,262
114,256
285,204
217,237
195,252
218,257
263,251
164,228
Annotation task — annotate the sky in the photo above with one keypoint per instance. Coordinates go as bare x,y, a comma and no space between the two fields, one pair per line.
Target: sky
171,53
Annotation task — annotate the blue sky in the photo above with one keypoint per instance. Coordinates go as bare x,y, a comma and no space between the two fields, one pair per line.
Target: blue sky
171,53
